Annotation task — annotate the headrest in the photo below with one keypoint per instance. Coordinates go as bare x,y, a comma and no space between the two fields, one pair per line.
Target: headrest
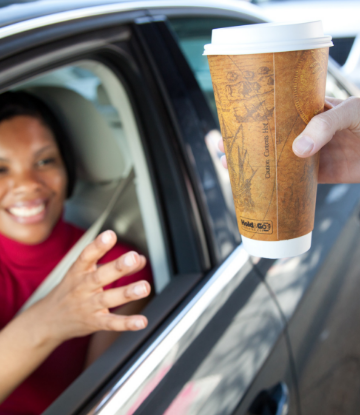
97,152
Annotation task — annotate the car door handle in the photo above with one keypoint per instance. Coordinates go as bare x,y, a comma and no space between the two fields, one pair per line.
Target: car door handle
273,401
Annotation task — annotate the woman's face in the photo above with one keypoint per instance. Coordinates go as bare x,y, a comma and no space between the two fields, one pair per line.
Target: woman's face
33,180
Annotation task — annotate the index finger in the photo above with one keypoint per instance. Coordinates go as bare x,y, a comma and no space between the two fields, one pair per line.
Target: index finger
125,265
94,251
331,102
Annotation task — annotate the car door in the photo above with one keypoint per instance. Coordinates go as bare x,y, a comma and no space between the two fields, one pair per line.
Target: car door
318,291
224,347
216,341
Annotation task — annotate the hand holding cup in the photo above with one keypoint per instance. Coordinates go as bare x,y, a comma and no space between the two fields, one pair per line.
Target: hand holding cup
269,81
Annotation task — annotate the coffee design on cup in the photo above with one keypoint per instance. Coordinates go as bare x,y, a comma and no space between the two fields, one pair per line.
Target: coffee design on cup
311,67
245,103
232,76
264,102
239,163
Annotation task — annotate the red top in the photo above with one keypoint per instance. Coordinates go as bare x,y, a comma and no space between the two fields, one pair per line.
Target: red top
22,269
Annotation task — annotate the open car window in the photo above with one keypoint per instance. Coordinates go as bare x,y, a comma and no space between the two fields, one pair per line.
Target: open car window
95,108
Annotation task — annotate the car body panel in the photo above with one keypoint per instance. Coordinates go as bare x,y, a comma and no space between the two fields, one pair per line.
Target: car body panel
214,347
318,293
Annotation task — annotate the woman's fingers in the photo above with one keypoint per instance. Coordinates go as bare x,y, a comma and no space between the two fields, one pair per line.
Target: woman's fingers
94,251
222,149
127,264
118,296
322,127
221,145
223,161
114,322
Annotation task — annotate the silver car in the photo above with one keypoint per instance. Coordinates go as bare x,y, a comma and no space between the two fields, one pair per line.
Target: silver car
228,333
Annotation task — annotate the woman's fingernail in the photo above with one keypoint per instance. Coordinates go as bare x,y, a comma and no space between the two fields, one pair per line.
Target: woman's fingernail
139,290
223,161
130,259
139,324
106,237
303,145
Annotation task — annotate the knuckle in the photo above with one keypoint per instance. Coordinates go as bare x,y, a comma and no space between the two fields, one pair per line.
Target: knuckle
322,124
111,324
118,264
83,256
102,299
128,293
96,278
355,100
129,324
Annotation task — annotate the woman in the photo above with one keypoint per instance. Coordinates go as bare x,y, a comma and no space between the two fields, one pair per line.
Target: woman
45,348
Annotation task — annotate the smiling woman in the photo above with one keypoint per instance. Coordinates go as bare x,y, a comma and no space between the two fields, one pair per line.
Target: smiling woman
36,168
45,348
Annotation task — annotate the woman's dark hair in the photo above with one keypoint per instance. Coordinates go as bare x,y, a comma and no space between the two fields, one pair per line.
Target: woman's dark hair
14,104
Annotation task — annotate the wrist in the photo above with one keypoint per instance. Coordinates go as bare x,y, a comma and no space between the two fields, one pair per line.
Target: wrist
41,334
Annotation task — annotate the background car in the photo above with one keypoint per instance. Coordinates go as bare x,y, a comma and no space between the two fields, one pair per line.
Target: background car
340,20
228,333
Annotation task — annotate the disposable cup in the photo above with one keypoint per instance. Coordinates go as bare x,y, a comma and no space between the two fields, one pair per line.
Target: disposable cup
269,81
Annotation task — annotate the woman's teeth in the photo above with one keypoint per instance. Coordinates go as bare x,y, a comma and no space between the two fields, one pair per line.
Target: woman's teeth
25,212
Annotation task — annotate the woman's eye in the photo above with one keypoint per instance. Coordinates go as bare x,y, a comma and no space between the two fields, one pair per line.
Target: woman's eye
45,162
3,170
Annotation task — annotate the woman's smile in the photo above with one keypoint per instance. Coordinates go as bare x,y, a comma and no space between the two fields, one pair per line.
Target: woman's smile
28,211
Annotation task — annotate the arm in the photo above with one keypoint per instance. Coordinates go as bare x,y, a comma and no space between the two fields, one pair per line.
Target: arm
78,306
24,345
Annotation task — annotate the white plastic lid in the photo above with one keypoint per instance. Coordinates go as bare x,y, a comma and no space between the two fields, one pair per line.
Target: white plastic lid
277,249
267,38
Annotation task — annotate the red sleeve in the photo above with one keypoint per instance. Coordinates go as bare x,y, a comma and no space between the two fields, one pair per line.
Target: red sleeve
118,250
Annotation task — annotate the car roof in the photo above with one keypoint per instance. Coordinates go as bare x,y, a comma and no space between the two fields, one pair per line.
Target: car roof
25,10
17,11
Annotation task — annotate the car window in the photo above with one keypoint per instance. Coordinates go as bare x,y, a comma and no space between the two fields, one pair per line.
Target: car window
334,88
193,34
92,86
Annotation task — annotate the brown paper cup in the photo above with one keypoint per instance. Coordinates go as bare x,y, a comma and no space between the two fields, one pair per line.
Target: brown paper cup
264,101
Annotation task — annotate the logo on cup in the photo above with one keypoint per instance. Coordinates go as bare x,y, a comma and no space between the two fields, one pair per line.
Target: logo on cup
256,226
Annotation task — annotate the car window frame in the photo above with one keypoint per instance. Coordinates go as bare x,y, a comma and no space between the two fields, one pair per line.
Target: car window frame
182,90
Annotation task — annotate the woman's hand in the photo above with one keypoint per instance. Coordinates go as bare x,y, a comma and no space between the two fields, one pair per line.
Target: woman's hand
76,307
336,134
79,305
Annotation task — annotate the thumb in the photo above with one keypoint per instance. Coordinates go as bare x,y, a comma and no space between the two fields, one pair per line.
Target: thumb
322,127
